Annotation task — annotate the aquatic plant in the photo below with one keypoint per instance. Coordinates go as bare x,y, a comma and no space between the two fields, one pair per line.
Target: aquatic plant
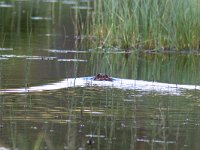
147,24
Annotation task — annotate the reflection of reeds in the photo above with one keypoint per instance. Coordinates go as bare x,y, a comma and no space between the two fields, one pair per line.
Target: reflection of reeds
161,67
149,23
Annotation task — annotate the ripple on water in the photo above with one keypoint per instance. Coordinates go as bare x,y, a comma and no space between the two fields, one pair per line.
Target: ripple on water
72,60
155,141
74,2
82,7
86,1
95,136
5,49
2,58
50,1
4,148
69,2
40,18
41,58
65,51
27,57
5,5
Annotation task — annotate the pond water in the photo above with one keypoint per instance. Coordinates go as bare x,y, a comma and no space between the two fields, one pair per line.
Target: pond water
45,103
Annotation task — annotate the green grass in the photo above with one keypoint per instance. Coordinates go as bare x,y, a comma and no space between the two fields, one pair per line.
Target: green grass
148,24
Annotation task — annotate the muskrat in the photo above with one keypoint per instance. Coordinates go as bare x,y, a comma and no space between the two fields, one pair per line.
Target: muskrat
102,77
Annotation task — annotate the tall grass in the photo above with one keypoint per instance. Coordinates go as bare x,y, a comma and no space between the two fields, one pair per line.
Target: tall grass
149,24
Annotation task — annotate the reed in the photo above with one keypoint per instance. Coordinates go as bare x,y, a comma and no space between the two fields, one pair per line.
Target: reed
149,24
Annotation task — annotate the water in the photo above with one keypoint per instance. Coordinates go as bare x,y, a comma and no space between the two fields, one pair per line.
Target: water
41,53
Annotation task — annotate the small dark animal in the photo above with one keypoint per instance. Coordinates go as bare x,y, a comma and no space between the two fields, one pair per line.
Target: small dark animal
102,77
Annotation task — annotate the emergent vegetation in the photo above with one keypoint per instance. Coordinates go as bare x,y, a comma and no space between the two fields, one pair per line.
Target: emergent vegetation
148,24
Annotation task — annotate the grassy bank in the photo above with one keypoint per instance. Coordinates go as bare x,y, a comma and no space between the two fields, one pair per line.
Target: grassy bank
148,24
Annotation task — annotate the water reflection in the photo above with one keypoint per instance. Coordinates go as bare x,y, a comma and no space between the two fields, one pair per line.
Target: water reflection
48,99
92,116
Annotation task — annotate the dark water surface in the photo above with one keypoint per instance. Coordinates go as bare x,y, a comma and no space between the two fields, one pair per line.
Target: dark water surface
40,44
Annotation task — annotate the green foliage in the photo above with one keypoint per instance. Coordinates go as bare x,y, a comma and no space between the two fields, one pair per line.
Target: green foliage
147,23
